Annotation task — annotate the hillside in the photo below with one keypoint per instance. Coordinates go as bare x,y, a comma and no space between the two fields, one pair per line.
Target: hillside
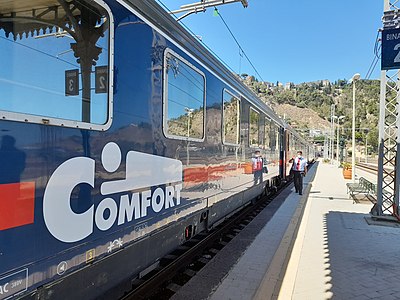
308,119
308,105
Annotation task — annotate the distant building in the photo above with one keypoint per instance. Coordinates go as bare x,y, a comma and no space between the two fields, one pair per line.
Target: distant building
324,82
268,84
315,132
289,85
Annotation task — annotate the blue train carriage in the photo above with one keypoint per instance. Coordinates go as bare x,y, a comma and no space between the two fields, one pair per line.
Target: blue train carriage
121,138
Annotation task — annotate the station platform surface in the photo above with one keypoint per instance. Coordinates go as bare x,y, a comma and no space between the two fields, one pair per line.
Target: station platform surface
316,246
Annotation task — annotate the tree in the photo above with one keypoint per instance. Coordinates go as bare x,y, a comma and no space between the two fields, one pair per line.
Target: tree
373,137
341,94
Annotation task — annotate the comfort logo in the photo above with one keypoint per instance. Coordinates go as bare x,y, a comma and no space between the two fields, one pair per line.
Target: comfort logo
135,200
17,201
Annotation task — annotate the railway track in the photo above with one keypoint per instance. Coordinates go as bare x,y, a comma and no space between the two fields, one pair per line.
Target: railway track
369,168
178,267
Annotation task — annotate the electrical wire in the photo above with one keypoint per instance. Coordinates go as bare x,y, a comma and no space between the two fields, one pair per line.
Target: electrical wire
194,35
240,47
376,58
368,77
209,49
371,67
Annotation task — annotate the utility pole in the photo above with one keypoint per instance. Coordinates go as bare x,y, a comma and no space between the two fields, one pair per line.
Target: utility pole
366,148
325,146
388,184
332,135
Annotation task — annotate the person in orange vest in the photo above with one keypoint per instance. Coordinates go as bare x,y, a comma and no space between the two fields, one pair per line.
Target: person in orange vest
257,166
299,169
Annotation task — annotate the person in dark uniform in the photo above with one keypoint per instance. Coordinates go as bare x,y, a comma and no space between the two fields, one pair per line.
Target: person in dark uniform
299,169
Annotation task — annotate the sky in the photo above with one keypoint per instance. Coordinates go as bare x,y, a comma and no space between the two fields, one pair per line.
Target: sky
293,41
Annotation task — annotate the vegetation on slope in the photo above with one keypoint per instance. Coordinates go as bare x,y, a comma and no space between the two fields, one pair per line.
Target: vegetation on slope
320,95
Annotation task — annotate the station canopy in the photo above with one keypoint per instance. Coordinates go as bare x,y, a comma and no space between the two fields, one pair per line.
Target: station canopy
84,21
23,18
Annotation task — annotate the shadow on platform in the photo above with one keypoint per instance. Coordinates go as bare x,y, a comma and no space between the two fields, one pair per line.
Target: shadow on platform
357,259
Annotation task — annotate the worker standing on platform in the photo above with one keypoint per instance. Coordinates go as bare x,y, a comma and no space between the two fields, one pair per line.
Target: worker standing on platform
299,169
257,166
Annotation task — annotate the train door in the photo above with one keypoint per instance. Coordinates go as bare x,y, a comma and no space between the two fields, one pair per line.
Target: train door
282,141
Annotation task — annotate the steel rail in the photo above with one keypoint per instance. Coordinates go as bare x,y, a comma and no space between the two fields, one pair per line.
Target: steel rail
148,287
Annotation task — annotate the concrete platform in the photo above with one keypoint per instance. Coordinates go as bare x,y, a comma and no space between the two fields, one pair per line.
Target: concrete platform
237,270
337,254
316,246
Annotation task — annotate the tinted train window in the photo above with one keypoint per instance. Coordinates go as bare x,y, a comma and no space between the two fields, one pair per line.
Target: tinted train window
273,137
55,74
231,117
267,133
184,99
254,128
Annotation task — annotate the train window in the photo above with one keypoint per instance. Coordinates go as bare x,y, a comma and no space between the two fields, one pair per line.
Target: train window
231,117
273,137
55,62
254,128
267,133
184,99
278,138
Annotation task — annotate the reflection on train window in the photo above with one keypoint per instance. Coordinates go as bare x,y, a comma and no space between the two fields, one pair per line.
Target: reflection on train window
254,128
231,117
292,143
267,133
184,96
273,137
54,71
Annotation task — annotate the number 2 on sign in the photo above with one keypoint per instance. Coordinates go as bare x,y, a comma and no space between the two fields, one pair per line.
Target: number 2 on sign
102,81
397,58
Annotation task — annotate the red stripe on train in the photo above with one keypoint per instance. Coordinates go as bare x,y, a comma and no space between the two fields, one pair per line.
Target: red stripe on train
17,204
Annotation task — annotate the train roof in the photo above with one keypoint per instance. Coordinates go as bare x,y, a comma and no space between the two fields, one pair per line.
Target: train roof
154,13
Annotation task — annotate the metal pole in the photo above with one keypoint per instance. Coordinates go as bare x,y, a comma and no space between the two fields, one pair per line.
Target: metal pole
353,139
203,5
386,5
366,148
397,141
381,151
382,102
332,135
389,131
337,143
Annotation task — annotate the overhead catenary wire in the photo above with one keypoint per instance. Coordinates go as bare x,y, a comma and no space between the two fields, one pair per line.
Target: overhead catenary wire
373,68
209,49
200,40
240,47
376,58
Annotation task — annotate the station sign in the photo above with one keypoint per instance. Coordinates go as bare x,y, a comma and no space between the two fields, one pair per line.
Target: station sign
390,49
72,82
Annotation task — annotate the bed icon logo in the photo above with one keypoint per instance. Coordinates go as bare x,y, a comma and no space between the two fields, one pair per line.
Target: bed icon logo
62,268
143,172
